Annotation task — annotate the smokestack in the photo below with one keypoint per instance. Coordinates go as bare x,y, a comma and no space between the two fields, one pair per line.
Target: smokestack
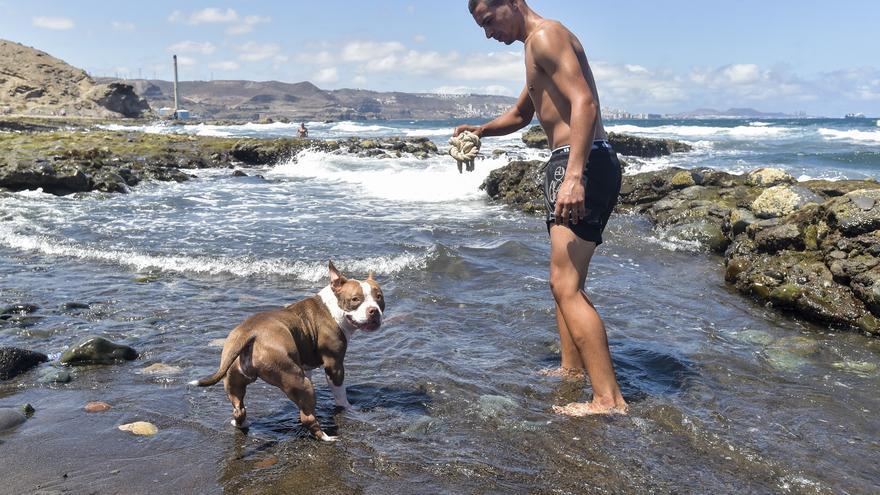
175,87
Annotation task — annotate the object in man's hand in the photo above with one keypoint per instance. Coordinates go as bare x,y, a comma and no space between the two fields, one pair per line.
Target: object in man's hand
464,148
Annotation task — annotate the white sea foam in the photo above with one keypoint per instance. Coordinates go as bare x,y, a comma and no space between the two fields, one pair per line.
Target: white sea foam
354,128
214,265
407,180
851,135
446,131
702,132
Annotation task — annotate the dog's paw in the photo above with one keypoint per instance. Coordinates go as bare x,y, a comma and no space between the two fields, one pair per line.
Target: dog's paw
327,438
242,426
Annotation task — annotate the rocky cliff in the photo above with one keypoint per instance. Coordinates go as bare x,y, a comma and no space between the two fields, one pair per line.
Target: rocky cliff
35,83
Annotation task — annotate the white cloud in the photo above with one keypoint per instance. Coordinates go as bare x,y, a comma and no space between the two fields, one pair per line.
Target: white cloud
419,38
247,25
213,15
58,23
365,51
489,66
123,26
224,65
326,75
322,57
742,73
359,81
186,61
210,15
205,48
253,51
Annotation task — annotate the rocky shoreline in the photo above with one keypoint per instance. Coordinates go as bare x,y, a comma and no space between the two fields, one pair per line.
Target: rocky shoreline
61,161
811,248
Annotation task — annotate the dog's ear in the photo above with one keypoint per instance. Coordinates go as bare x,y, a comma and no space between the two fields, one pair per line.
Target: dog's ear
336,278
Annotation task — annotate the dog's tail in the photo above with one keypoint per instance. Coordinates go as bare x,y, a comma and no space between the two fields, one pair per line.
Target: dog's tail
231,350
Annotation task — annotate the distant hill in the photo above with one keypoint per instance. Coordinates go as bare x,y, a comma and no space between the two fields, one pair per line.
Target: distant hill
35,83
711,113
251,100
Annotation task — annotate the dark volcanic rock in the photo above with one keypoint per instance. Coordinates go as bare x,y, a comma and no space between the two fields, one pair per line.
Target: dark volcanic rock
14,361
120,98
622,144
97,350
518,184
817,254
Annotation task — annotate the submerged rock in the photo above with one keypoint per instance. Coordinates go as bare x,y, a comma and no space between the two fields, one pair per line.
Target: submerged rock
10,417
495,406
14,361
98,350
54,375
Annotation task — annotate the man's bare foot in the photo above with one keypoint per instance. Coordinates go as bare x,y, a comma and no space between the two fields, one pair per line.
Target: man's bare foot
580,409
564,373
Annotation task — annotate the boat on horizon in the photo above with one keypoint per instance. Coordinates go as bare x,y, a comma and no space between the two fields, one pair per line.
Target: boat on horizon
855,116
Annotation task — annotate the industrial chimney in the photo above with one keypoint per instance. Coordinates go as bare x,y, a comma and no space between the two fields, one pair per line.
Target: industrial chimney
176,107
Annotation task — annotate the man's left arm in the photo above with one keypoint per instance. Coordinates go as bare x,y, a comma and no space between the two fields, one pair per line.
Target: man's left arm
556,57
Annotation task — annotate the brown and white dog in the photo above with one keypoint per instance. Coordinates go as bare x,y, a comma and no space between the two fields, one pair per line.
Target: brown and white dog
283,346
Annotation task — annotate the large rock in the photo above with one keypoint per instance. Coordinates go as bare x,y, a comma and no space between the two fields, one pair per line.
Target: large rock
10,417
778,201
519,184
119,98
97,350
856,212
768,177
814,251
623,144
58,179
14,361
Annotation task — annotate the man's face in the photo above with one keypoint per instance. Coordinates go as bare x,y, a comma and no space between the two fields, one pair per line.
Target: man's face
498,22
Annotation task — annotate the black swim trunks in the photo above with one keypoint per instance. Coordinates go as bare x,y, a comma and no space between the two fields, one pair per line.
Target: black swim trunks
601,179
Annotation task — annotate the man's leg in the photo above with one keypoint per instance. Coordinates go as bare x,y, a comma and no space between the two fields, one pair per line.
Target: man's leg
569,260
571,357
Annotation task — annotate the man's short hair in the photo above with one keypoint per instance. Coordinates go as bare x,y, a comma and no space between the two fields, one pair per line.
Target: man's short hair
472,4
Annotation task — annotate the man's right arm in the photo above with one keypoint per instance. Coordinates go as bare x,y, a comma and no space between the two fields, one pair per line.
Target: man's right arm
512,120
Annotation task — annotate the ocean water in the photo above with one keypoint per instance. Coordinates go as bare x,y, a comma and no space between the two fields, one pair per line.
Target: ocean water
726,395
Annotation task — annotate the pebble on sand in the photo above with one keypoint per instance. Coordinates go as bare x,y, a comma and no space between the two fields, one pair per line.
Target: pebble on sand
142,428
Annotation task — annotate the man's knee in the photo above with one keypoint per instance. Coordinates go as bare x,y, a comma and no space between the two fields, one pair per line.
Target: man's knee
562,285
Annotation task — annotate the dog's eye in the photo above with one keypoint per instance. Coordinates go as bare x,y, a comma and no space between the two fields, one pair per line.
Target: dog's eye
356,299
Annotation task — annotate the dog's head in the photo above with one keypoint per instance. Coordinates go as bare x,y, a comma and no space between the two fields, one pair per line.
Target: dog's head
362,303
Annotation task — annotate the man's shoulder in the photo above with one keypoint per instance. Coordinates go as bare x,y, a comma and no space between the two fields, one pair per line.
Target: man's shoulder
549,33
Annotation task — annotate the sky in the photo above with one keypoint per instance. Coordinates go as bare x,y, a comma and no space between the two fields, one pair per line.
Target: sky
787,56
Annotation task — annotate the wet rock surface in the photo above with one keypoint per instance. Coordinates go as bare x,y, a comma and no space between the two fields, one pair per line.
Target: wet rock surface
622,143
67,161
14,361
97,350
811,248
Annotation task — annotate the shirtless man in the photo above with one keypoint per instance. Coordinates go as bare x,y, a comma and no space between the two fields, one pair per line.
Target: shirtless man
581,183
302,131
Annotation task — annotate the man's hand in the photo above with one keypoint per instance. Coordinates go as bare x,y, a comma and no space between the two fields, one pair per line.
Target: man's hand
570,201
476,129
